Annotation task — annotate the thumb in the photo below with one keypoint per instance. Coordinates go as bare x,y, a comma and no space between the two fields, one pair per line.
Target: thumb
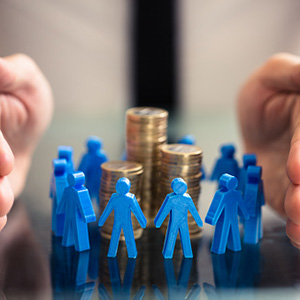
281,72
6,157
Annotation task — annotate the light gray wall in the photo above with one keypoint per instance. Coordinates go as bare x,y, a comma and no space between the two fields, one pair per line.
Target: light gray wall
83,47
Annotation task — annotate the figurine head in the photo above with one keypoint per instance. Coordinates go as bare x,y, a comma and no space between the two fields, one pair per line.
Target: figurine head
249,160
94,144
228,150
254,174
228,182
65,152
59,166
123,185
76,179
179,186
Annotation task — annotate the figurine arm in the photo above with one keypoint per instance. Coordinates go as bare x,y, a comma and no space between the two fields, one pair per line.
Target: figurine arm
62,204
83,164
104,156
137,211
108,209
262,194
85,206
215,209
163,212
194,212
242,206
250,196
216,172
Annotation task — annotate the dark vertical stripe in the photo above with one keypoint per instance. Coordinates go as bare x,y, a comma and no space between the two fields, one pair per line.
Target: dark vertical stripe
154,54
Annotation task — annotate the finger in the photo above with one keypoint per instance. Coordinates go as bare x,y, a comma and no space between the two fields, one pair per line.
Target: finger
293,232
292,203
3,221
293,162
6,196
8,75
6,157
281,72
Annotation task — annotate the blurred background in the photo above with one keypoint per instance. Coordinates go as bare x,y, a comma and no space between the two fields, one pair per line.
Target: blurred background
101,57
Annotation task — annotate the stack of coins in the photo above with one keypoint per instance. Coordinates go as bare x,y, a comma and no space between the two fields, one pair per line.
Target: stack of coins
146,132
111,172
184,161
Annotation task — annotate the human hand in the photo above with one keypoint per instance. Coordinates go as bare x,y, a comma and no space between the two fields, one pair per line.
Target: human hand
26,107
269,113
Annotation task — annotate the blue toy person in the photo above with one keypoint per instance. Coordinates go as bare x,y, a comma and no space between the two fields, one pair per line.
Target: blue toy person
223,212
177,204
248,160
60,183
226,163
123,203
90,165
66,152
254,198
77,207
63,152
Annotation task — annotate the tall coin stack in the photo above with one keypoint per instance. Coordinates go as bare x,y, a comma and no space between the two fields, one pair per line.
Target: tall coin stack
180,160
111,172
146,132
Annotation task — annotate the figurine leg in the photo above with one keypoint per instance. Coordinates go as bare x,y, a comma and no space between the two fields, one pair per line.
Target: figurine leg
260,227
221,236
82,242
251,232
170,241
114,240
185,240
68,237
54,216
234,241
130,242
60,222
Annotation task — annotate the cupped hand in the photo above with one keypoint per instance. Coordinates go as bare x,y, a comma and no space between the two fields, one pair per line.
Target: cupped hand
269,113
26,106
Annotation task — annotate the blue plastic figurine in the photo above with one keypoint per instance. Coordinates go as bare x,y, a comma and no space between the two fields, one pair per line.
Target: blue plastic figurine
63,152
177,204
123,203
226,163
120,290
223,213
60,183
248,160
90,165
78,209
66,152
190,140
254,198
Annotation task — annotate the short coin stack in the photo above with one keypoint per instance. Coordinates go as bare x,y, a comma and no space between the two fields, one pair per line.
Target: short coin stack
180,160
111,172
146,132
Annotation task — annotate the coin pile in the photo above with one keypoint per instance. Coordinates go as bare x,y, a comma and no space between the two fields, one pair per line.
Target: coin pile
111,172
180,160
146,132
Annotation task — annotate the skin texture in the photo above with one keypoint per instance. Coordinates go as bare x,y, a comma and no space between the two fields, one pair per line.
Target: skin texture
26,106
269,114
